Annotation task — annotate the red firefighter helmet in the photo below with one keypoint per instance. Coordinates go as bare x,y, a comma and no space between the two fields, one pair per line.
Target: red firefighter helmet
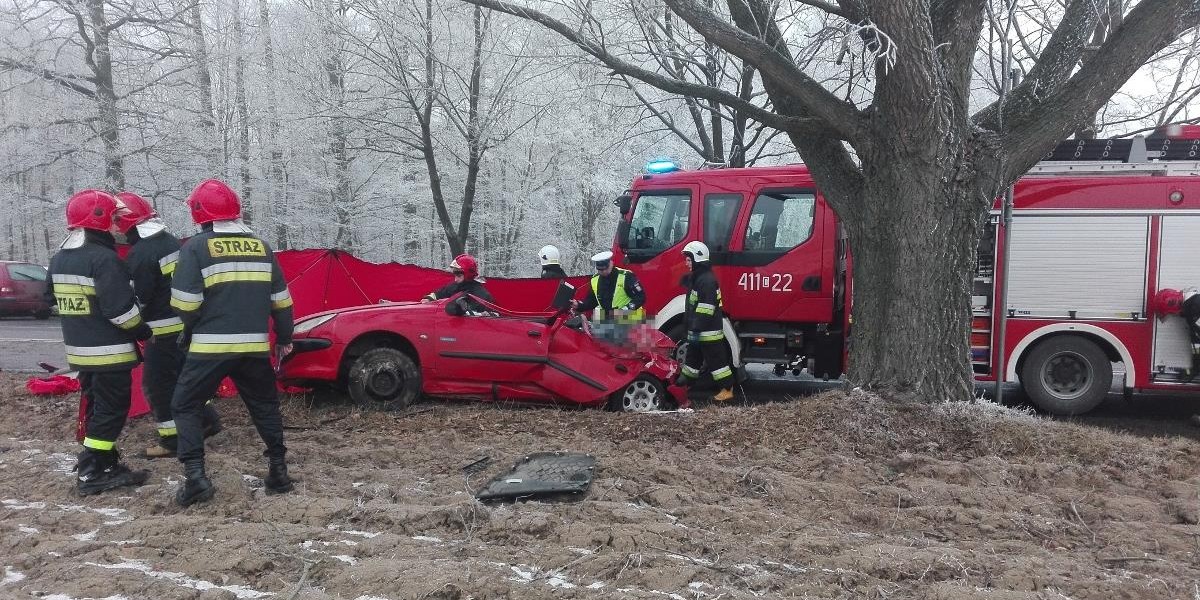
465,263
91,209
1167,302
212,200
137,211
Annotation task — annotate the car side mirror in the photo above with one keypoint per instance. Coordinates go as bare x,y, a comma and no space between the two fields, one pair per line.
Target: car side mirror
623,235
454,308
624,202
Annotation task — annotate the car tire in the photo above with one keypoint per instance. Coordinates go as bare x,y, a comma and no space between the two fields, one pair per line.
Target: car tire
1066,375
42,315
644,394
384,379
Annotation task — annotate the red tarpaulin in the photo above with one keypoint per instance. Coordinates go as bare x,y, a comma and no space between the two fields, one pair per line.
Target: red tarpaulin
322,280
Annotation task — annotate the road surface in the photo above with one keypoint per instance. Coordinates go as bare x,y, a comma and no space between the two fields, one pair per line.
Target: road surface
24,342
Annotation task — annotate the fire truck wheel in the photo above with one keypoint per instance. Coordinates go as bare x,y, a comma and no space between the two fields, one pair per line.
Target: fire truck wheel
384,379
644,394
1066,375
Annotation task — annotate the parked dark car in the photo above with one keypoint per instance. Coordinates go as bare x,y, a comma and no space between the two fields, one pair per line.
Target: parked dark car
23,290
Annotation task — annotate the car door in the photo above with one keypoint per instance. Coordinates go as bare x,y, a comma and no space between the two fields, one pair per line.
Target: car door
482,352
29,285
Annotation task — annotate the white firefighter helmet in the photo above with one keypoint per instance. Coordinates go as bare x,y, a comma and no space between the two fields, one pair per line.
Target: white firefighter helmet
698,250
549,255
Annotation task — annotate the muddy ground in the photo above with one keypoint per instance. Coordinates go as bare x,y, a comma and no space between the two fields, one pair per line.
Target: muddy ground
829,496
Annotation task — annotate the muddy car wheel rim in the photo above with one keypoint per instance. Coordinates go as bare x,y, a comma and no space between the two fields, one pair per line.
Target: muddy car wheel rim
385,384
640,396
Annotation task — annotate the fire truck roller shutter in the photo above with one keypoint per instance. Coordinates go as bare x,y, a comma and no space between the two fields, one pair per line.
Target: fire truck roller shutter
1078,267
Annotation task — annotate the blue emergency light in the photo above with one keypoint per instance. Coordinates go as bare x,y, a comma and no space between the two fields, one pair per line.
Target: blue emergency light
661,165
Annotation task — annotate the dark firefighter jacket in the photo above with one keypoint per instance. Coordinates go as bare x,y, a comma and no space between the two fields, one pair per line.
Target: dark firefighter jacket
226,288
151,262
99,315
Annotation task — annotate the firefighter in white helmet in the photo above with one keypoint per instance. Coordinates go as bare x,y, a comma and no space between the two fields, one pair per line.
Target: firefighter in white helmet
551,263
704,318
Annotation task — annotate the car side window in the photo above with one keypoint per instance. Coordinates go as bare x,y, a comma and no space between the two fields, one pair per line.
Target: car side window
27,272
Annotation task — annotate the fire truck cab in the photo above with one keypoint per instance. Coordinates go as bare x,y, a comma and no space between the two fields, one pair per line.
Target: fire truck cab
1097,228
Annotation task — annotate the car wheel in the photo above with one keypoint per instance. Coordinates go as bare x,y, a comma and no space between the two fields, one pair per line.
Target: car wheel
1066,375
42,315
384,379
644,394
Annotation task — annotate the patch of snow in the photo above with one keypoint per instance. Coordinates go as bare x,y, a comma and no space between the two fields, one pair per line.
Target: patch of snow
126,542
698,585
11,575
583,551
699,561
109,512
182,580
55,554
357,484
86,537
63,463
72,507
350,560
19,505
27,529
596,585
426,538
366,534
371,598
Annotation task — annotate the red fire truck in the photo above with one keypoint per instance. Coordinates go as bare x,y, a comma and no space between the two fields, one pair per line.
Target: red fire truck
1097,228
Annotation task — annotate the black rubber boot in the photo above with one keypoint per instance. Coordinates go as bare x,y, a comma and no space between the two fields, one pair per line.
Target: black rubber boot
197,487
101,470
277,480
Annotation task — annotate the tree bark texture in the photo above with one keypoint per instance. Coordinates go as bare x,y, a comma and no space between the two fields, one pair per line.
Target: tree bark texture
98,56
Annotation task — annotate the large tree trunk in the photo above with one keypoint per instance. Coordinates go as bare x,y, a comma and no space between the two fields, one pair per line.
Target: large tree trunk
914,246
108,122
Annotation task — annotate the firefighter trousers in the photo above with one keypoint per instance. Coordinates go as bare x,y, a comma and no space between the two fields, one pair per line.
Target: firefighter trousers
255,381
711,354
163,363
107,394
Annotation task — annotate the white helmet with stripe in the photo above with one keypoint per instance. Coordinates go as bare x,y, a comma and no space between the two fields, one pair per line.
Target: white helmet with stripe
549,255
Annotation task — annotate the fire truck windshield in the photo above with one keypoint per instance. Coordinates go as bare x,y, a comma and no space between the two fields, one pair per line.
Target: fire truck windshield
660,220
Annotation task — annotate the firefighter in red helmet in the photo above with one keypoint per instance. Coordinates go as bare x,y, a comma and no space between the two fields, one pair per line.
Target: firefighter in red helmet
101,323
151,262
1185,303
466,279
227,288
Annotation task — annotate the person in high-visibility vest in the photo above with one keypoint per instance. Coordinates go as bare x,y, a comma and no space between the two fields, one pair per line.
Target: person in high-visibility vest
704,316
614,294
101,323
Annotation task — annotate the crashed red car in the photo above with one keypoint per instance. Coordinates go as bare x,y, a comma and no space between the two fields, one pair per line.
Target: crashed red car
387,355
